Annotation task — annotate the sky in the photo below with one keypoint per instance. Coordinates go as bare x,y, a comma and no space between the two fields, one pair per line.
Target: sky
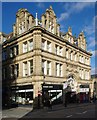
80,16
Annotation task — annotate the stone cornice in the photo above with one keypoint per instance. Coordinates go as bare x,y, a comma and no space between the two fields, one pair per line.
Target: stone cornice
49,33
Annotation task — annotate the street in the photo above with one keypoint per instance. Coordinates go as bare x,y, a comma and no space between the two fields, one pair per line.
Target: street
85,110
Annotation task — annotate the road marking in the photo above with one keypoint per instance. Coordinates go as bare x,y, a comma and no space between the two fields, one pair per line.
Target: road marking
84,112
68,116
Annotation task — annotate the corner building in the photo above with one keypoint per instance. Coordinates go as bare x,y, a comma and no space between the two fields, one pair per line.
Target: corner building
36,52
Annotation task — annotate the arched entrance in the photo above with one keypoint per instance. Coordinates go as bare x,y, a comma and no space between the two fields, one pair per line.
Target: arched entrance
71,94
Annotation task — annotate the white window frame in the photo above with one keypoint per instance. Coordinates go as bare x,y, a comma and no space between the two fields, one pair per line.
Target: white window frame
67,54
25,69
48,68
30,67
25,48
48,46
61,50
30,45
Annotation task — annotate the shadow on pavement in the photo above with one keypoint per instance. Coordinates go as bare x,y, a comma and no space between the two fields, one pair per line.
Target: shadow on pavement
41,112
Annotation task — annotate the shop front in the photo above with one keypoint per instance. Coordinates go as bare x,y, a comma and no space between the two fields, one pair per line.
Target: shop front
22,94
84,94
53,92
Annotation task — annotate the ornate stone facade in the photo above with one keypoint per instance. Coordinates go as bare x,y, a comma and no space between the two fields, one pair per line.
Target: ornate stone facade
37,52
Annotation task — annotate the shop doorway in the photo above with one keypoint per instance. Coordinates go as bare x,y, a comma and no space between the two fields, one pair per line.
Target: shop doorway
52,92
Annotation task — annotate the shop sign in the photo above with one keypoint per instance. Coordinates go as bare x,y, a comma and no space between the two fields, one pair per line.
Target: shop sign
47,86
84,90
64,85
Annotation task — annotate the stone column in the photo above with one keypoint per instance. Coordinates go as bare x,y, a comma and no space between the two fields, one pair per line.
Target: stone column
43,21
47,22
37,53
55,25
37,95
64,70
26,24
53,47
20,69
30,21
69,52
64,52
20,48
17,24
53,68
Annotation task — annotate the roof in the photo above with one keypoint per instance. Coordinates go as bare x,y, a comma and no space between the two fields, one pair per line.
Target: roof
94,76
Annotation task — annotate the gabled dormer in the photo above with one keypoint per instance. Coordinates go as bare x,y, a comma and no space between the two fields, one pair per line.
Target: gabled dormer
24,21
49,21
68,35
82,41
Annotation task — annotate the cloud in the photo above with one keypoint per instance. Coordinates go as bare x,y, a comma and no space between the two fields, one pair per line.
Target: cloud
71,8
79,6
63,16
90,29
40,5
92,43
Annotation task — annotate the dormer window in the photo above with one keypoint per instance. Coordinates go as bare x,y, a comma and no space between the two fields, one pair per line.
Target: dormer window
21,27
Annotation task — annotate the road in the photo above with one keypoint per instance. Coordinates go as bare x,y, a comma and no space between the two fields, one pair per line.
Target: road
86,110
82,111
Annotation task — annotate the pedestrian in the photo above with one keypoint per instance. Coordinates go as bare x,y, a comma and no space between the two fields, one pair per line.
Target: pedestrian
50,104
65,100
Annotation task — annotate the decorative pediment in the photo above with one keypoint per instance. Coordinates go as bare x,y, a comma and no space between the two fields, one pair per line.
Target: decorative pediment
51,11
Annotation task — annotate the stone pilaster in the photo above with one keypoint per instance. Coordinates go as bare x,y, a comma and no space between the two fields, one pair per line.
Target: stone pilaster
20,48
20,69
53,68
17,24
37,53
55,25
26,21
43,20
37,95
64,52
64,70
47,22
30,21
53,47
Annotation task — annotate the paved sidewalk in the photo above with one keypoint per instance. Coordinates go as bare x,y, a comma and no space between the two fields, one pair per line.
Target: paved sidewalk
17,112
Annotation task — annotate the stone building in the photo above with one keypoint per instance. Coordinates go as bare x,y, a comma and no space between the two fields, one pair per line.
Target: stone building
94,87
36,52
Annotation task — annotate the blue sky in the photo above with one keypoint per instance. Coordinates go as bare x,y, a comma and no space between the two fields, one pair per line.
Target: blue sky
78,15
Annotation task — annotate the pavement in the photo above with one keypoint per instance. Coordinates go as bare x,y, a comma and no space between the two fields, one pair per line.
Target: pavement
27,111
17,112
